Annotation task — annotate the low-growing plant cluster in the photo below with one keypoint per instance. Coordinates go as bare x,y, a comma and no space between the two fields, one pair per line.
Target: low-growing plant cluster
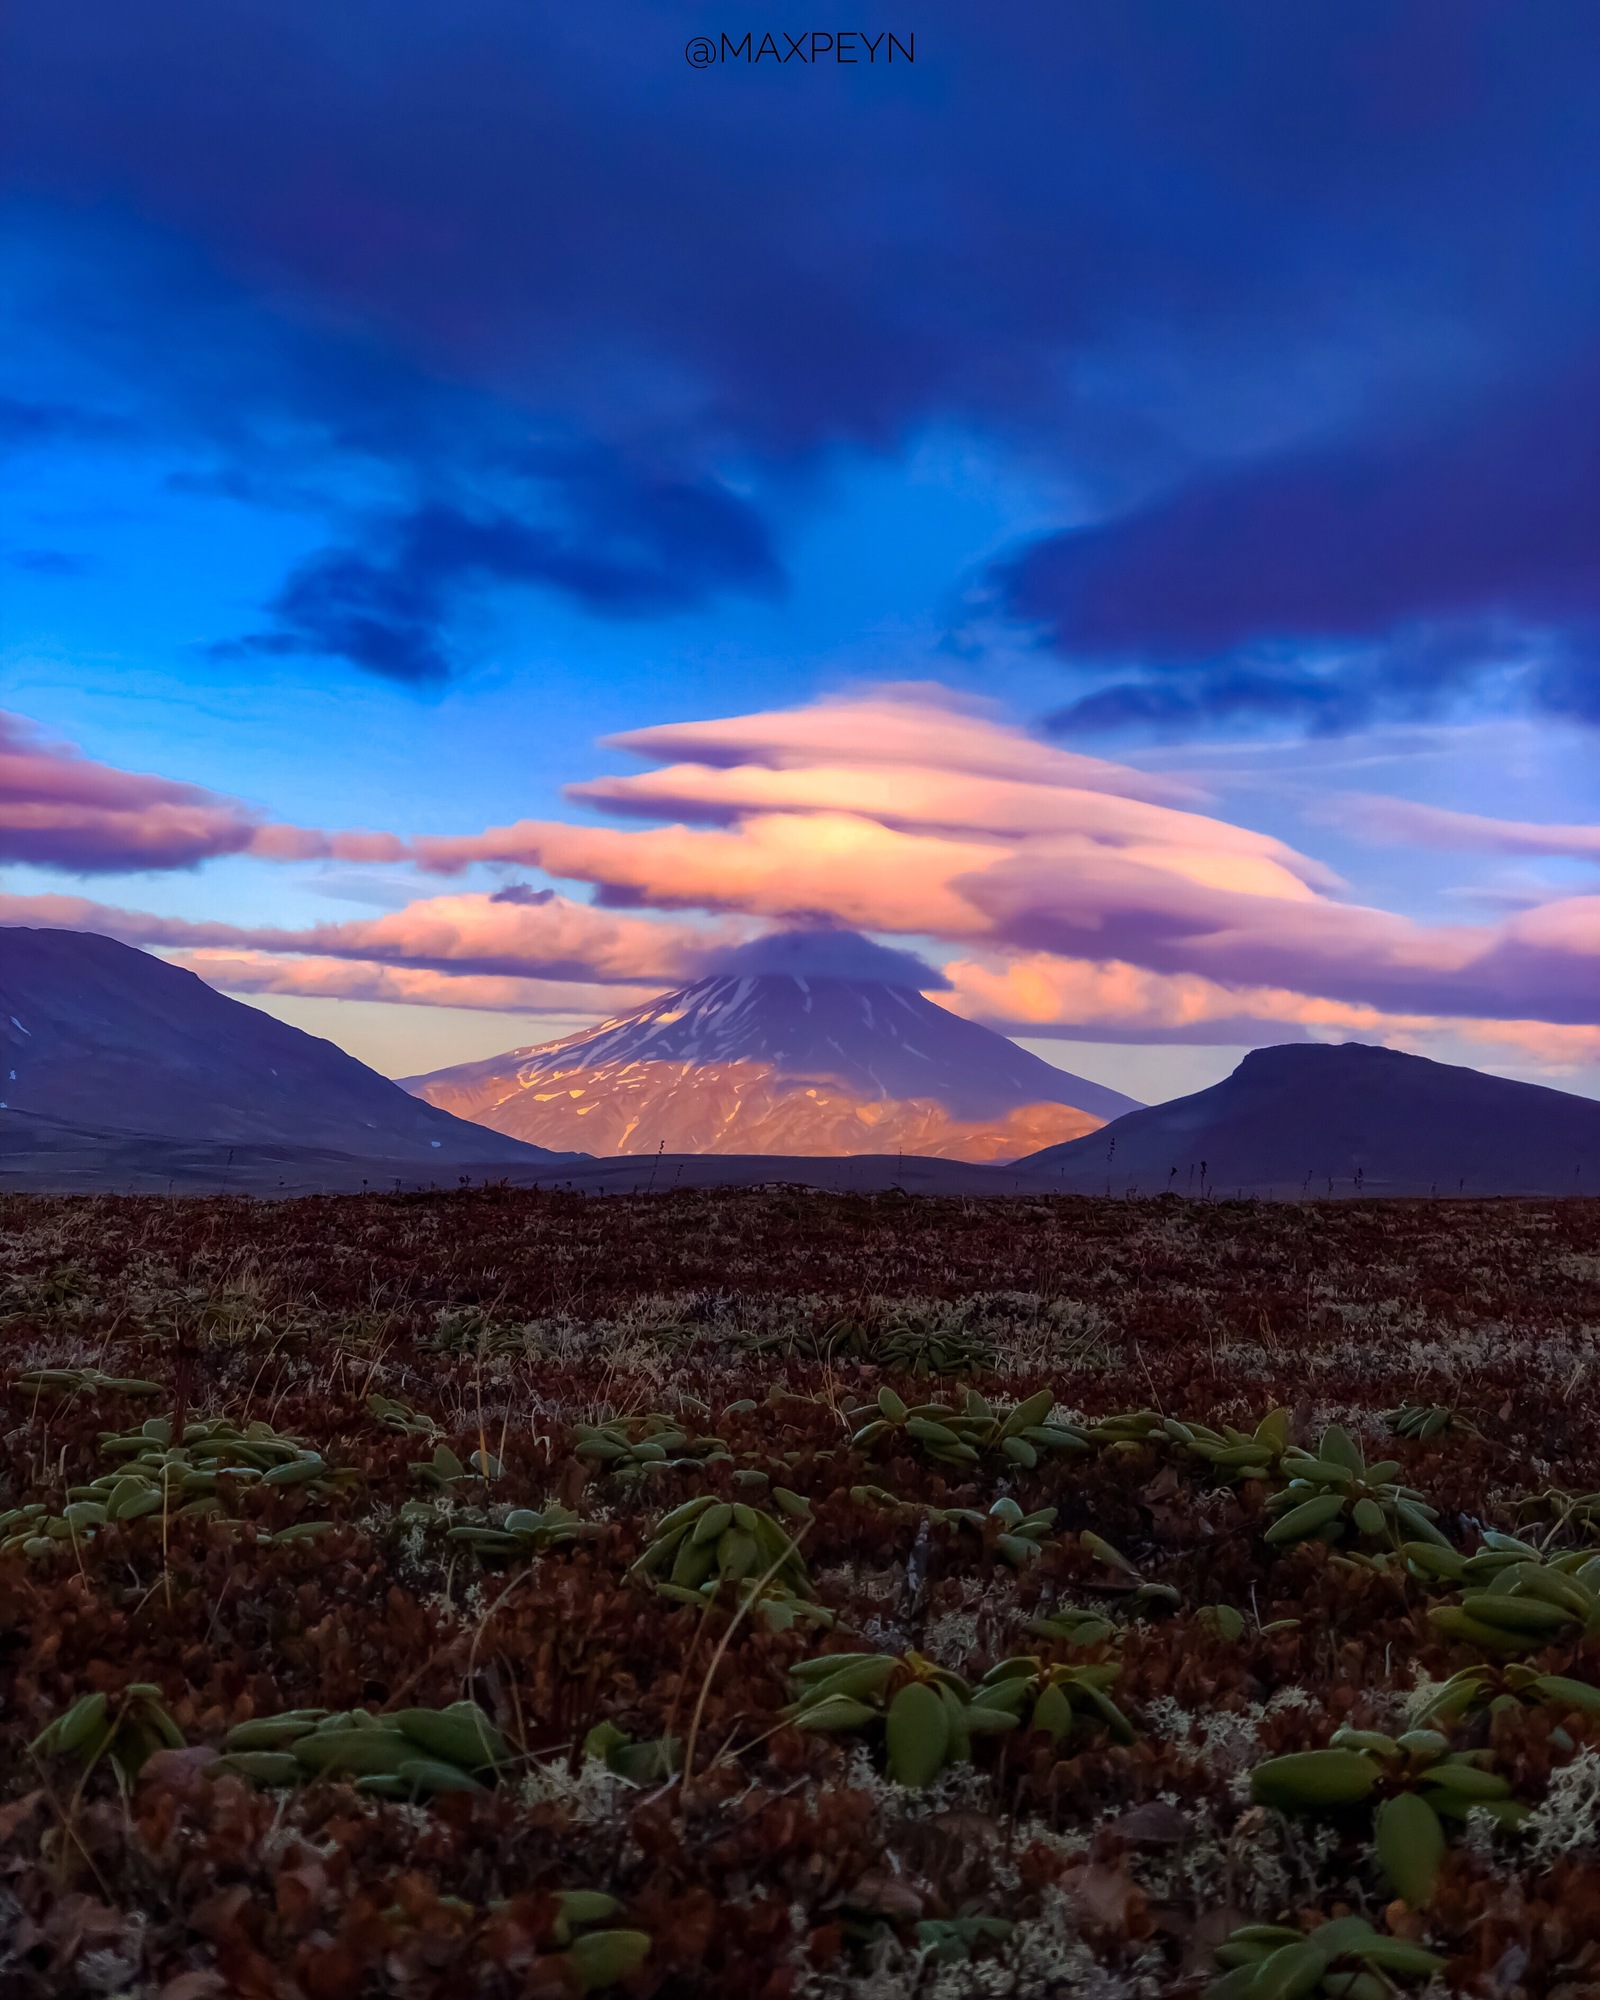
798,1597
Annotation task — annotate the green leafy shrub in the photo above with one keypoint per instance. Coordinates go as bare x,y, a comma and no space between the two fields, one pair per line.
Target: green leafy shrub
1236,1455
1497,1688
1344,1960
1422,1422
1417,1782
409,1754
928,1714
1060,1700
1335,1494
1517,1600
128,1732
523,1532
83,1381
707,1545
949,1436
633,1446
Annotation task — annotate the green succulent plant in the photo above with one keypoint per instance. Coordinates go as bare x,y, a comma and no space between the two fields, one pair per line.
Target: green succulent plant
1506,1687
33,1531
633,1447
411,1753
1561,1509
1422,1422
1334,1495
83,1381
465,1329
1075,1627
949,1436
1018,1536
1344,1960
651,1762
928,1714
1416,1783
595,1955
953,1940
1513,1599
128,1730
919,1351
522,1532
1128,1427
395,1416
1058,1699
213,1449
710,1549
444,1468
154,1476
1236,1455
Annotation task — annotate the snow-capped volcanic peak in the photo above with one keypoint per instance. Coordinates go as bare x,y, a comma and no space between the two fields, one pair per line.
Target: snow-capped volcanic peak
802,1043
871,1041
880,1041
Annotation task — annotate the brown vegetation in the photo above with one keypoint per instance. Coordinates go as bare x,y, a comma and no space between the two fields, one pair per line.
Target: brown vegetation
390,1454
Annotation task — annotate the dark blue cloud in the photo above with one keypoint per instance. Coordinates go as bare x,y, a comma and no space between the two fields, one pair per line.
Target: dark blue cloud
523,894
48,562
827,954
1402,571
627,548
32,424
1139,241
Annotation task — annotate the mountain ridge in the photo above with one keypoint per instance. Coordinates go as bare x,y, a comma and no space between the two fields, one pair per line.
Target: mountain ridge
1339,1118
98,1036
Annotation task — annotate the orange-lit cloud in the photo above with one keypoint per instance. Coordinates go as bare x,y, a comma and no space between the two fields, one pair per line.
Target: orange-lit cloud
1084,896
920,726
466,936
412,986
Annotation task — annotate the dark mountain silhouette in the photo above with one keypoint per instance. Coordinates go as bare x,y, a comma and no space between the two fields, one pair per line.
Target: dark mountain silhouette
781,1054
104,1045
1316,1119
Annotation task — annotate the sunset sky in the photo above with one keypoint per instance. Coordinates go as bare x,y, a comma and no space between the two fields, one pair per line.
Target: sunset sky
493,514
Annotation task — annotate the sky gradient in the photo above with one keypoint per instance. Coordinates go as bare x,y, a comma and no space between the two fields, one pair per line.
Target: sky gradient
494,516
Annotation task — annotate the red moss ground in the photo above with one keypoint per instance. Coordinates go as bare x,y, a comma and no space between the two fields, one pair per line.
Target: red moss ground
788,1865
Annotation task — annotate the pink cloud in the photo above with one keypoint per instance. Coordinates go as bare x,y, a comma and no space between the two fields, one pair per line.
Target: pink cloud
300,843
1040,994
1370,816
470,936
903,813
909,800
783,866
917,724
411,986
60,809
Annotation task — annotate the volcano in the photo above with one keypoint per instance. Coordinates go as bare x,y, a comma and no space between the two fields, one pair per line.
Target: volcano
798,1044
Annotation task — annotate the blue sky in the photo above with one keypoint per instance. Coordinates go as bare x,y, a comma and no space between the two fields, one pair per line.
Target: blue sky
399,400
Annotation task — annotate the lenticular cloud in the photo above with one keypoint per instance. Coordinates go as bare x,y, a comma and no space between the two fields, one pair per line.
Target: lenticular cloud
60,809
1064,882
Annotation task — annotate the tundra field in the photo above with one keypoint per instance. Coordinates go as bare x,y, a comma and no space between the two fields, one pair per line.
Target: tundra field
772,1593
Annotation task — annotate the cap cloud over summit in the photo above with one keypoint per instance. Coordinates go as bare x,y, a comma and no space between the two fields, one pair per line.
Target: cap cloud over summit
828,954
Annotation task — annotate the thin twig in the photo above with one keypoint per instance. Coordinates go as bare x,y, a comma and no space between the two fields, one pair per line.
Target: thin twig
722,1646
70,1830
